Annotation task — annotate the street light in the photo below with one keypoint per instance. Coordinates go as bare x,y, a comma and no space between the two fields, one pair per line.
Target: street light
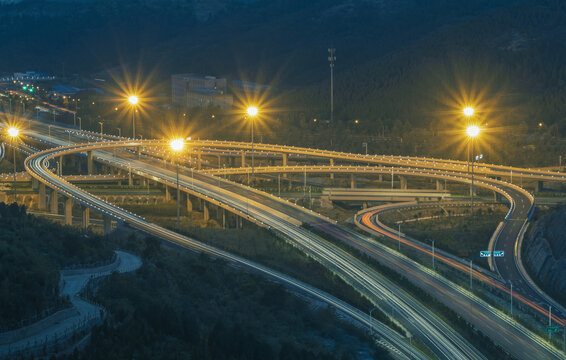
473,131
177,146
101,122
13,133
252,112
469,111
133,100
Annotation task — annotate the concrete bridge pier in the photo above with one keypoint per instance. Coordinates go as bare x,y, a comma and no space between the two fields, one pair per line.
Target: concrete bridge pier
473,190
243,159
189,203
86,217
42,197
539,186
284,158
205,212
53,202
34,183
167,193
107,225
60,165
352,181
403,182
223,218
89,162
69,211
496,196
199,158
440,185
331,164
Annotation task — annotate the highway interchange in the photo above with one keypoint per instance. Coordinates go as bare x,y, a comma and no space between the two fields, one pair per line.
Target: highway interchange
259,207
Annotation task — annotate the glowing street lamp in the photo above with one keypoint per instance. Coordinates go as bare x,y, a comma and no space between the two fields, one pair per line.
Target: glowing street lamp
473,131
252,112
469,111
177,145
14,133
133,100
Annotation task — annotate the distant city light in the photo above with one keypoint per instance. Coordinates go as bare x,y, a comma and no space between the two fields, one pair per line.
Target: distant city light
469,111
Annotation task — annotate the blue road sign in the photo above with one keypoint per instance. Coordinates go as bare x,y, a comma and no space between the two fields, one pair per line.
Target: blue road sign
499,253
552,329
485,253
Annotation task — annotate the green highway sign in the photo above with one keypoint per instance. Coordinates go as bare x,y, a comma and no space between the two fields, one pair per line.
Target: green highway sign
552,329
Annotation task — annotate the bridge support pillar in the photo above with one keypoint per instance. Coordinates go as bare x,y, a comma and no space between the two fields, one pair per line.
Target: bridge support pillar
42,198
352,181
53,202
243,159
403,182
189,203
380,176
205,212
239,222
331,164
89,162
60,166
199,157
223,218
539,186
107,225
496,196
285,158
86,217
69,211
34,183
473,190
440,185
167,193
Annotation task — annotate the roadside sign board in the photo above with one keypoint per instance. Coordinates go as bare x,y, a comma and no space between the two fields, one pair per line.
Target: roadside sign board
552,329
485,253
498,253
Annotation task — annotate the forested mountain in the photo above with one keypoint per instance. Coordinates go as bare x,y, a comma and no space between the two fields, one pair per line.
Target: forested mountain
285,37
404,69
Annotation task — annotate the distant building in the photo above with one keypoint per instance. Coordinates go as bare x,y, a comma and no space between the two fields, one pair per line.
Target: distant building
27,76
192,91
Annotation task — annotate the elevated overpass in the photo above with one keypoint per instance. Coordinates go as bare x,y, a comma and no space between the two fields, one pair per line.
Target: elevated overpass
408,172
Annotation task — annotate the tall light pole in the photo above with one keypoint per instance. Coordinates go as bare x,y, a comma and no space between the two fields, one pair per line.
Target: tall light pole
331,58
473,131
177,146
252,111
14,132
133,100
468,113
101,122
